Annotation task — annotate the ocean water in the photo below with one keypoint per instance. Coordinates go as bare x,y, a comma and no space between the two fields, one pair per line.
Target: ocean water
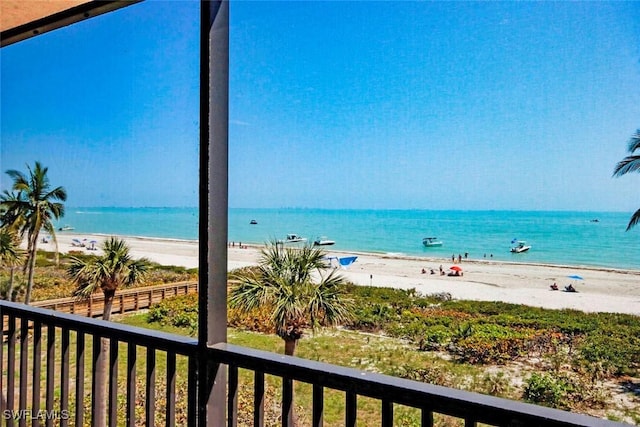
569,238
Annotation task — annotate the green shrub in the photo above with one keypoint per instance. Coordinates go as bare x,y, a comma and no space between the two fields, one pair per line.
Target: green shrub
180,311
544,389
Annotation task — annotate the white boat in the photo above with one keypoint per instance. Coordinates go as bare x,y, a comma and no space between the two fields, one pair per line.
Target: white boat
323,241
431,242
293,238
520,247
66,228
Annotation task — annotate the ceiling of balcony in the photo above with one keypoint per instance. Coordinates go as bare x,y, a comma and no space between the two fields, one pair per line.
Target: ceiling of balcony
14,13
22,19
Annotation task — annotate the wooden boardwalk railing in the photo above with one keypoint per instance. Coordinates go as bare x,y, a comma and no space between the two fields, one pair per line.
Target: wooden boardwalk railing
125,301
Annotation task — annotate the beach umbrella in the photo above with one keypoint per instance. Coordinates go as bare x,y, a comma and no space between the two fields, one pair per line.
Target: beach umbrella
455,268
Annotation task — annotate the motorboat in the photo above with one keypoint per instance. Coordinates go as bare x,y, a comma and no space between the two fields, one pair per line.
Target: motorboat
253,222
520,247
323,241
293,238
431,242
66,228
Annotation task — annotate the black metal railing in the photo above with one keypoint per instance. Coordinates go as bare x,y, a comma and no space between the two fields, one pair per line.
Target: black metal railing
46,377
67,349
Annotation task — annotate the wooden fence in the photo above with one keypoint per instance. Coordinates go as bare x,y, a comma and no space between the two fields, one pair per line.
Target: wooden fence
125,300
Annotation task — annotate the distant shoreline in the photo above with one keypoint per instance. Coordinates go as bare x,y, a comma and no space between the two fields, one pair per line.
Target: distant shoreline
603,289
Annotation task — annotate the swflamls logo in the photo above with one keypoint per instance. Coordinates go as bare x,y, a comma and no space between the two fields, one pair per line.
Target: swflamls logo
27,414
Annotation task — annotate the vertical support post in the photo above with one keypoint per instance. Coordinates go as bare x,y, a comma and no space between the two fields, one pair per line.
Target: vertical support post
213,196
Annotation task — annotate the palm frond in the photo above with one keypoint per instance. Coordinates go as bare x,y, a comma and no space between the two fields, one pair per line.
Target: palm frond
634,142
249,294
635,220
328,305
626,165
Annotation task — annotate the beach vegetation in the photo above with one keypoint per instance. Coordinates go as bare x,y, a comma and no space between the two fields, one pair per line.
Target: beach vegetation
579,359
296,288
51,279
630,164
11,256
31,207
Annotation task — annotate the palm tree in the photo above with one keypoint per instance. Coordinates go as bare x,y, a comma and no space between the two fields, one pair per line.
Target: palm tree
631,164
284,282
10,255
113,270
34,205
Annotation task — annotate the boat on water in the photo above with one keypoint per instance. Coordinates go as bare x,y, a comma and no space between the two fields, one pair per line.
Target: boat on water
520,247
66,228
293,238
253,222
323,241
431,242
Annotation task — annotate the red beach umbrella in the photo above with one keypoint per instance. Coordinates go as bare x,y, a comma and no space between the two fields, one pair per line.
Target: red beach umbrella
455,268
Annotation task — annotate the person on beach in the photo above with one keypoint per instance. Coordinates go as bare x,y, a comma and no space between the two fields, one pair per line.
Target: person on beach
554,287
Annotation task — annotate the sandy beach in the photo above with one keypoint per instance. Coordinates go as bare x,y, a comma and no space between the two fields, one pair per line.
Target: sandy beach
602,290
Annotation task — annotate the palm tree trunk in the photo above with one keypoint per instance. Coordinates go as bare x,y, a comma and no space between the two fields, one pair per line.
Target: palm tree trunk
289,350
290,347
101,384
11,280
31,268
103,365
108,303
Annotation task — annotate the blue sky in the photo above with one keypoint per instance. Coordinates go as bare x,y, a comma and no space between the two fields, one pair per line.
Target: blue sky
431,105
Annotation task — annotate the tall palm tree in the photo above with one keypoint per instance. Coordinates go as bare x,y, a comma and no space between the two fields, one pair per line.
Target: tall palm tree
113,270
35,204
631,164
294,284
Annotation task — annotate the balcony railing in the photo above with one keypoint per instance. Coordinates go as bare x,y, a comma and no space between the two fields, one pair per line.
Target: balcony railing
49,364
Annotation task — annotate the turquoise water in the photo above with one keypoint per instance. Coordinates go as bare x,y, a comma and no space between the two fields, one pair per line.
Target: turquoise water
555,237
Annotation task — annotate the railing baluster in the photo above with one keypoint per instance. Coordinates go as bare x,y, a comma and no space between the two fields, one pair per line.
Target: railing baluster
318,405
24,355
150,410
79,378
98,382
387,413
37,368
51,371
258,399
64,378
287,402
11,367
113,382
232,400
351,409
171,390
192,391
426,417
131,384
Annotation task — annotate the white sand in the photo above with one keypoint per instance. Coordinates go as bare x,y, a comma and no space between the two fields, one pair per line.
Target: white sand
603,289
